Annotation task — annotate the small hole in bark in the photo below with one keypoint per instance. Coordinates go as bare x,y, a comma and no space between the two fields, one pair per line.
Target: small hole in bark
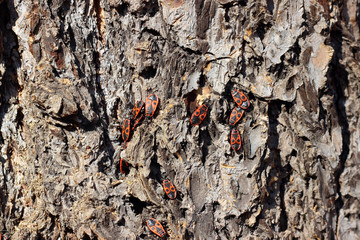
243,3
227,93
288,106
20,118
250,95
226,7
155,171
190,101
121,222
148,72
183,212
153,9
202,80
122,9
68,231
179,195
138,205
249,175
152,31
270,5
55,72
355,50
189,235
38,237
294,153
290,83
86,237
261,30
216,205
229,217
305,138
205,139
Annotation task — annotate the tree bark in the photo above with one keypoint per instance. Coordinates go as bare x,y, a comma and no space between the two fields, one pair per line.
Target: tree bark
71,71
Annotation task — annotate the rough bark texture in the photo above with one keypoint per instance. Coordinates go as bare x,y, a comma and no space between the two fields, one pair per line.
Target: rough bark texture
71,71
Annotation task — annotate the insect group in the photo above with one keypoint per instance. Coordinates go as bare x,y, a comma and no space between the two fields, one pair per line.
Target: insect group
153,224
129,124
242,102
149,108
139,111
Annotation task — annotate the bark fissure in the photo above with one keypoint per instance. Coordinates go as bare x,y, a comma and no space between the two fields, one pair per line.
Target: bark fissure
338,83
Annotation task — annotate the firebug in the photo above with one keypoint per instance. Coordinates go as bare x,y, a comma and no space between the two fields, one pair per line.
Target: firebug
137,121
169,189
124,145
124,166
236,115
151,104
241,99
137,109
156,227
125,133
235,140
199,115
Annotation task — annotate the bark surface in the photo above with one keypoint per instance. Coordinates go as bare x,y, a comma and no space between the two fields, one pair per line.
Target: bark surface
71,71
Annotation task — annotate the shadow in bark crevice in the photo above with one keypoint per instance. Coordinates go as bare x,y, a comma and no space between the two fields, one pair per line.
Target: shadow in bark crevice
205,142
275,188
338,83
155,167
122,9
137,204
9,90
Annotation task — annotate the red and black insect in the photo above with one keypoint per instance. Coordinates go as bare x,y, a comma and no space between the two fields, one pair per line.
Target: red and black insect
137,109
235,140
240,99
124,145
124,166
151,104
199,115
236,115
4,236
125,133
156,227
169,189
137,121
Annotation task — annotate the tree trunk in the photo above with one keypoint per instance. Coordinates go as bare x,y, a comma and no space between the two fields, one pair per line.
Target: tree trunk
71,71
